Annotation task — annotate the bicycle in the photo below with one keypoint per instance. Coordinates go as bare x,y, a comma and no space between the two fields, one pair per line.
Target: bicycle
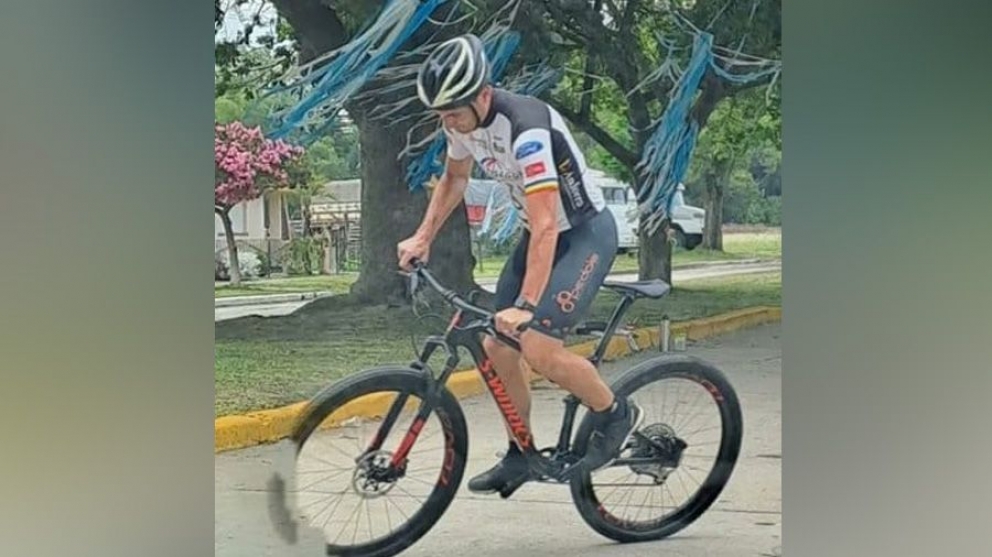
656,450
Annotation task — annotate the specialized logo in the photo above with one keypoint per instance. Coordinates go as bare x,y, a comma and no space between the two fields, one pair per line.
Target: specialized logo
529,148
513,417
535,169
566,298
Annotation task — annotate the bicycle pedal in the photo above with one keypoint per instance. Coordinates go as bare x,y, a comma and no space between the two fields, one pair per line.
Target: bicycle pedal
512,486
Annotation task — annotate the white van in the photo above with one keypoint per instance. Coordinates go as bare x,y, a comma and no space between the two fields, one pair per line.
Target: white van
687,221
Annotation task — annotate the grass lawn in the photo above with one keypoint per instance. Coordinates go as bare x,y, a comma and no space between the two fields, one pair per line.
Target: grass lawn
262,363
339,284
766,244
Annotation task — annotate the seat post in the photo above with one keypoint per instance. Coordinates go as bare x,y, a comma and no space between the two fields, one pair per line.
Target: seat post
611,328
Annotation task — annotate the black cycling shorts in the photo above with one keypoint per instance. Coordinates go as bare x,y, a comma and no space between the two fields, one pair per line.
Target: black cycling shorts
583,258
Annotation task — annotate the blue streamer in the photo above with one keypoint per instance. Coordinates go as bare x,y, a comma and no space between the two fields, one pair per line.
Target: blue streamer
668,151
355,63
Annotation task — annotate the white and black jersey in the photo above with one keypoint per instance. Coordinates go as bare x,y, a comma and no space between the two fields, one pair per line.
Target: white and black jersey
525,144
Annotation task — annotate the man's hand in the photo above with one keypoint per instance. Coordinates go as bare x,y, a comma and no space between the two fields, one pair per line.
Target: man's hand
414,247
508,320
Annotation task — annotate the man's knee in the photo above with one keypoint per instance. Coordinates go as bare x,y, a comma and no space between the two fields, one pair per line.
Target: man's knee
496,349
540,352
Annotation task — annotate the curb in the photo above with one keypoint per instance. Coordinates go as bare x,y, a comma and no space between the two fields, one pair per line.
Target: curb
268,426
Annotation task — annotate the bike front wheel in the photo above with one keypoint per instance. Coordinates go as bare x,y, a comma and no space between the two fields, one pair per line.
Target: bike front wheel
675,466
348,483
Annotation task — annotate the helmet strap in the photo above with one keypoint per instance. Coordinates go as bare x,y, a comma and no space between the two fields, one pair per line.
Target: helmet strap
478,119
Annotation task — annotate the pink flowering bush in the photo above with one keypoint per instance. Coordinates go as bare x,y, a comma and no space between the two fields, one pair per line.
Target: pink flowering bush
246,163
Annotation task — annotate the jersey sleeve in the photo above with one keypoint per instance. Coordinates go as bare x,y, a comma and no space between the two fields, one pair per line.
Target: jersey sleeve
532,151
456,149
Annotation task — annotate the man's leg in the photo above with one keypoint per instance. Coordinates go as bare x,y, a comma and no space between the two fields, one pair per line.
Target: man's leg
576,374
575,279
507,363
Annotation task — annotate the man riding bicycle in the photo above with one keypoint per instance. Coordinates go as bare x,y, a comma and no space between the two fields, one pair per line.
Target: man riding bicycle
566,251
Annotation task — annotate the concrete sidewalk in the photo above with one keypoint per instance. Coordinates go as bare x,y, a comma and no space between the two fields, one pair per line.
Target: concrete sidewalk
540,520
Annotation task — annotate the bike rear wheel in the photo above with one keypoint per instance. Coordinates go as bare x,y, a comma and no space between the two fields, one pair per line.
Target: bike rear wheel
672,452
346,490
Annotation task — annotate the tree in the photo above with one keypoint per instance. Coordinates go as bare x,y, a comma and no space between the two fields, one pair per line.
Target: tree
618,40
389,210
246,165
737,129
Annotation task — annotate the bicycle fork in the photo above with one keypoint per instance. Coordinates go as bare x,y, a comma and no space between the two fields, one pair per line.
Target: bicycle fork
398,460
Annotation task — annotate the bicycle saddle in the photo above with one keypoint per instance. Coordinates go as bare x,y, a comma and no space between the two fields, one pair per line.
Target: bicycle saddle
646,288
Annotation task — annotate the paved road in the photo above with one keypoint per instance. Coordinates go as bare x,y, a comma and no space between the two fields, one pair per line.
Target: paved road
540,519
679,276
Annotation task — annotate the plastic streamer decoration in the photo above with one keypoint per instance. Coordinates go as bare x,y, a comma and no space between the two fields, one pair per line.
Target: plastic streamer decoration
666,156
337,76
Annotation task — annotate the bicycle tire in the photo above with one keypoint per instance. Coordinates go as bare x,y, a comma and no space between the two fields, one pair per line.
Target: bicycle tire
719,386
455,431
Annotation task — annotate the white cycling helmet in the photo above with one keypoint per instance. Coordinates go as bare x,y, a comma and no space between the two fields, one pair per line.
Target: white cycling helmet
454,74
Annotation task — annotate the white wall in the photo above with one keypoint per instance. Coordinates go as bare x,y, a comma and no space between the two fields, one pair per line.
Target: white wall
247,221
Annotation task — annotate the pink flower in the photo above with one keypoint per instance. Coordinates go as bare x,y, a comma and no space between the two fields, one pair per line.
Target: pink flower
246,163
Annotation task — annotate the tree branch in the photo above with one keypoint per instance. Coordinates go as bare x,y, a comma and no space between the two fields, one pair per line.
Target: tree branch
317,27
628,14
585,101
612,146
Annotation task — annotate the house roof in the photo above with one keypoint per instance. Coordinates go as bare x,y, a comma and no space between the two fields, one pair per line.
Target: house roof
340,191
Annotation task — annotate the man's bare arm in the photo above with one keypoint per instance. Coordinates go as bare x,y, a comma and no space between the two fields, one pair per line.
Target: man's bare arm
447,195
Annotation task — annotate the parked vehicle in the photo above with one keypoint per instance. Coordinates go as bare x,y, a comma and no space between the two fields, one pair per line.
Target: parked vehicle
687,221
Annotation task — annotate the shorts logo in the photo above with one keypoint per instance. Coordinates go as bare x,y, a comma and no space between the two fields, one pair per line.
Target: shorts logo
566,298
529,148
534,169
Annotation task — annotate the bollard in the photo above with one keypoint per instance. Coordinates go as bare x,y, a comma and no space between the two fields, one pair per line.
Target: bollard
663,334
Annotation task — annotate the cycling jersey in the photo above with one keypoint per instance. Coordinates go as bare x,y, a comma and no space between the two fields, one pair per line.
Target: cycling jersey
525,144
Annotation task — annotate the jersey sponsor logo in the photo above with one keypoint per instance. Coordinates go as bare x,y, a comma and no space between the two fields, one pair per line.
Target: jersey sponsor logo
495,170
571,183
534,169
490,164
529,148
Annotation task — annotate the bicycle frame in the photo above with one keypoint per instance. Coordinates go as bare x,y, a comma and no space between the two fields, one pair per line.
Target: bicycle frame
463,332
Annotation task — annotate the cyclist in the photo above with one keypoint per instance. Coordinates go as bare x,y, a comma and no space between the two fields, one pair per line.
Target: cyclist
568,246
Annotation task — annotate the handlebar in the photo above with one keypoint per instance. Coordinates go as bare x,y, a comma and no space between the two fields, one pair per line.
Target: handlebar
453,298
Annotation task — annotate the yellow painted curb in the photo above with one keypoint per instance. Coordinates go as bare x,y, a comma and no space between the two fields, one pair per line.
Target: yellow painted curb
268,426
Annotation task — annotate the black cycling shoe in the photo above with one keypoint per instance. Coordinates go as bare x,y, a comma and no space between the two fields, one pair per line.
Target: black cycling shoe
614,428
511,470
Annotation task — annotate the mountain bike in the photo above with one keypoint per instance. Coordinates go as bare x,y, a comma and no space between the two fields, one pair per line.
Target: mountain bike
415,404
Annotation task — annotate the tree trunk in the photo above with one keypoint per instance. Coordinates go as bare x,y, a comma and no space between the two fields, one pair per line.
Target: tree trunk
713,229
716,184
391,213
654,256
234,270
